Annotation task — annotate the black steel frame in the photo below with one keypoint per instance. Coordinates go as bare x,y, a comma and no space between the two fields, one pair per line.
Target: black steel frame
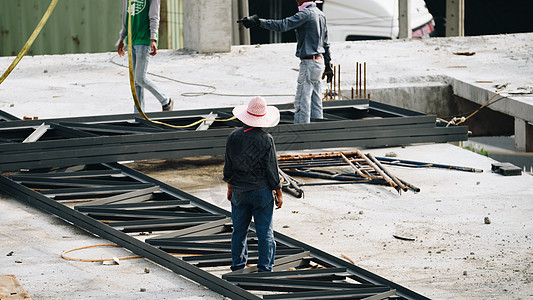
87,140
119,201
198,228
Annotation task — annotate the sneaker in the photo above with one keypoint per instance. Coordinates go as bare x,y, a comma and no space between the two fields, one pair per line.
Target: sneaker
169,106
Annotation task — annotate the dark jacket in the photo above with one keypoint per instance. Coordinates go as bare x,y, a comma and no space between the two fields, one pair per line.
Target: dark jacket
250,160
311,31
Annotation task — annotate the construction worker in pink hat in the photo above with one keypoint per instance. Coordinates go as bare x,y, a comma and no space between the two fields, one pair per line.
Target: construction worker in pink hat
254,188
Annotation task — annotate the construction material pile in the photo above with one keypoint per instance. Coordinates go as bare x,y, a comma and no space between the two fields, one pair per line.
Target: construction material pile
331,166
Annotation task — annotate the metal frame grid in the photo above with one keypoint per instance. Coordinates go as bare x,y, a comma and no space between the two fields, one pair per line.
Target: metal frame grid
35,144
193,240
193,236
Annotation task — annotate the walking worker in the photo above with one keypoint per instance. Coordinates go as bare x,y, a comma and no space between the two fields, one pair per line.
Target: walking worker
144,33
251,172
313,50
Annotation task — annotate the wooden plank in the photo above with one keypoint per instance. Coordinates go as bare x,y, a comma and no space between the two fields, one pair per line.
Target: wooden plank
11,289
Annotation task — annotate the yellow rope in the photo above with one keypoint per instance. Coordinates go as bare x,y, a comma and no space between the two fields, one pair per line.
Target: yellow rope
63,255
30,41
475,112
134,93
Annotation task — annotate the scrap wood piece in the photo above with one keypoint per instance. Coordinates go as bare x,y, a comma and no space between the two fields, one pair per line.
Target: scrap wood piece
11,289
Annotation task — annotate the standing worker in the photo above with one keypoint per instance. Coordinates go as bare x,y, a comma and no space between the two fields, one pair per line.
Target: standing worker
251,171
144,32
312,49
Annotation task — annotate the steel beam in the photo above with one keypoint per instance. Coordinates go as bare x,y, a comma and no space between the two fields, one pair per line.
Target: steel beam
195,238
89,140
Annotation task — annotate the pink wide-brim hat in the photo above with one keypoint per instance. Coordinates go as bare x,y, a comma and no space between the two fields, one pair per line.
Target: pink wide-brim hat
257,113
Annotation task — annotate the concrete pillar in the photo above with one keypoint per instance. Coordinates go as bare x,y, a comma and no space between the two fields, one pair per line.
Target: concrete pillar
523,135
406,32
207,25
455,17
241,35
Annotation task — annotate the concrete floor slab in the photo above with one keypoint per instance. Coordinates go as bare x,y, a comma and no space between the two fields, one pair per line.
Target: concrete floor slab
454,255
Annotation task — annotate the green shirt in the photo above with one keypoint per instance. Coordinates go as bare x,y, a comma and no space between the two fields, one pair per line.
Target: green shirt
140,24
142,11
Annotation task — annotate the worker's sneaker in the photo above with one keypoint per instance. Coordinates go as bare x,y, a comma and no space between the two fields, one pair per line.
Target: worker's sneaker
169,106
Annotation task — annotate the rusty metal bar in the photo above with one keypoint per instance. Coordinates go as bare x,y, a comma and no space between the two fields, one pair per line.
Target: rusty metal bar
396,180
365,81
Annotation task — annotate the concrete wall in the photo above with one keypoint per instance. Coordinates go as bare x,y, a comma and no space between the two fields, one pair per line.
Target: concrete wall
436,96
207,25
428,97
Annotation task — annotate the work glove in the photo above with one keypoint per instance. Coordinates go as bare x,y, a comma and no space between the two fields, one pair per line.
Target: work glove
328,72
249,22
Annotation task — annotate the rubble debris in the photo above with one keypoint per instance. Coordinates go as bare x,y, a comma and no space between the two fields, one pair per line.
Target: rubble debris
391,154
506,169
403,238
465,53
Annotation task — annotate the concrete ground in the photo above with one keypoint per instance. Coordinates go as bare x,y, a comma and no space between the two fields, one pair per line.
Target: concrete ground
455,255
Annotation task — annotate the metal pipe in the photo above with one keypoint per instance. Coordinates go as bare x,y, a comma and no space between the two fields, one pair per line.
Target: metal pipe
377,169
292,185
307,173
416,164
410,186
398,182
371,181
356,169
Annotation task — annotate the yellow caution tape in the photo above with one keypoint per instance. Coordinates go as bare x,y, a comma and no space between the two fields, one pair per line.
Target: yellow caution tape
30,40
134,93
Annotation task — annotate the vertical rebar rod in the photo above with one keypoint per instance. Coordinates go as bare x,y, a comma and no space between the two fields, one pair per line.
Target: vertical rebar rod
364,94
360,81
356,79
339,83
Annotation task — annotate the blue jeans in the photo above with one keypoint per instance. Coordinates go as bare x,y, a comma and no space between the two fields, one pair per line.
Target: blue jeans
308,100
260,205
140,55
